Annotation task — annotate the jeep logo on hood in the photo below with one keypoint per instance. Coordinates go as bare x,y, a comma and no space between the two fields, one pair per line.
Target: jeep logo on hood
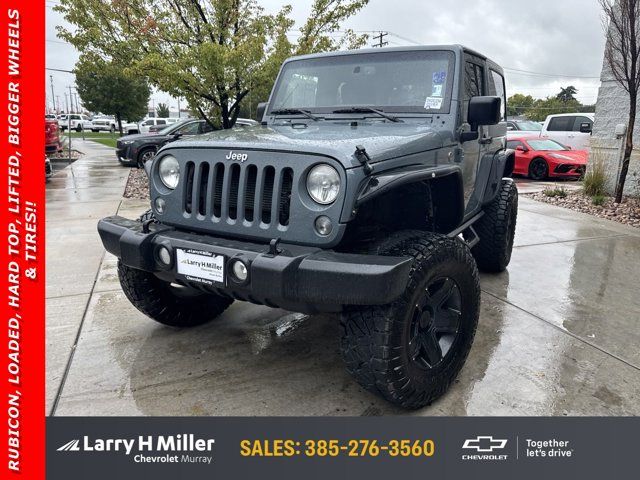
241,157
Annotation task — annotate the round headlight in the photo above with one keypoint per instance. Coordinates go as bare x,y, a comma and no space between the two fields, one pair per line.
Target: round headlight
323,184
169,171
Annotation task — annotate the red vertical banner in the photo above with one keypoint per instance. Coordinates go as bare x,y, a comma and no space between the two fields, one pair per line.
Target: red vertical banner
23,206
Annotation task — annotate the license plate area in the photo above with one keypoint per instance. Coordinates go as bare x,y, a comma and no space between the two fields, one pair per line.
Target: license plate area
200,266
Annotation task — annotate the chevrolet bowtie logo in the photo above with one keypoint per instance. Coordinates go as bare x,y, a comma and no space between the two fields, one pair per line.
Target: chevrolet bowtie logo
484,444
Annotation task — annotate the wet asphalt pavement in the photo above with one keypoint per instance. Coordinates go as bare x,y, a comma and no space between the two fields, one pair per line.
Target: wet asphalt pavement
559,332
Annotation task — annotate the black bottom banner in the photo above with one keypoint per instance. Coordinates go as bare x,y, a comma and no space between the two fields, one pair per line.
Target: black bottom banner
365,447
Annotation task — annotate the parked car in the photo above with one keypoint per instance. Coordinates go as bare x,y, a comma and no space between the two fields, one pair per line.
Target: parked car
137,149
540,158
75,121
48,170
51,136
50,116
521,126
350,199
104,125
161,123
571,129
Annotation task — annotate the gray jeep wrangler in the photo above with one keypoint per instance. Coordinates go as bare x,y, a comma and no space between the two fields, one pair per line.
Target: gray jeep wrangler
373,187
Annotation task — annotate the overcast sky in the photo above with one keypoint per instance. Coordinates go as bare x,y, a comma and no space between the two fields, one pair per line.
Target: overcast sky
556,42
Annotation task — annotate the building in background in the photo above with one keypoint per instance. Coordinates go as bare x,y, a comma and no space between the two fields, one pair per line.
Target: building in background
612,109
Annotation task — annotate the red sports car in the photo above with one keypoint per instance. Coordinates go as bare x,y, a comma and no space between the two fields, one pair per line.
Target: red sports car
539,158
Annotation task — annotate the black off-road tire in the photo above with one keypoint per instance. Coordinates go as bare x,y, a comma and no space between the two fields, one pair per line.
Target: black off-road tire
165,303
496,229
376,340
168,304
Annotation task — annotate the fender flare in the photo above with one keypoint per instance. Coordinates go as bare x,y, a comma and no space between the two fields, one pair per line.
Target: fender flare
502,166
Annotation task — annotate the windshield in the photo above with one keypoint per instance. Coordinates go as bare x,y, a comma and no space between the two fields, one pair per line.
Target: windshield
545,145
528,125
417,82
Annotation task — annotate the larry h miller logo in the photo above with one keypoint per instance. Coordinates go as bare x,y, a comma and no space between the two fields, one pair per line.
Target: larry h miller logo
486,448
180,448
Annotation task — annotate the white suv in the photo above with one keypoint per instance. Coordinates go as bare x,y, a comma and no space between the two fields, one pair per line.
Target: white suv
570,129
74,121
146,125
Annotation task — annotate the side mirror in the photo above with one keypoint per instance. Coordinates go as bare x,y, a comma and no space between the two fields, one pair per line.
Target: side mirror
585,127
177,135
483,111
522,148
262,108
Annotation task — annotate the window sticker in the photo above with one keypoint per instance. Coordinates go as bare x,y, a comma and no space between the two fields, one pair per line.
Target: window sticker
433,103
439,78
436,91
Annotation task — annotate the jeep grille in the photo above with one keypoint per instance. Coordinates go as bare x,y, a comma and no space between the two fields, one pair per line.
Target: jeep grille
238,192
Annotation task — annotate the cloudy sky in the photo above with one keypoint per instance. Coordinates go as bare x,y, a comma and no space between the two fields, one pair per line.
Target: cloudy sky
542,44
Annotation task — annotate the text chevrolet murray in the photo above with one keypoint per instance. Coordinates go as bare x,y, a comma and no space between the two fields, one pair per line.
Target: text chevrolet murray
373,188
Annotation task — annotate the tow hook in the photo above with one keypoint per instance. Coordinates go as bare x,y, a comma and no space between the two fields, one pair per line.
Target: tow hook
273,247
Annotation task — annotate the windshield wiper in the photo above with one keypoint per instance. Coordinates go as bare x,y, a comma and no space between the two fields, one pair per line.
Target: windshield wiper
294,111
391,118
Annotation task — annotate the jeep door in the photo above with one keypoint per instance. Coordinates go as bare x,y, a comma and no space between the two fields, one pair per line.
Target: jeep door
473,85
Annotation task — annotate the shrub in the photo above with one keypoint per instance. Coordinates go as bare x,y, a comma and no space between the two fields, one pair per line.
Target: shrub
598,200
596,176
555,192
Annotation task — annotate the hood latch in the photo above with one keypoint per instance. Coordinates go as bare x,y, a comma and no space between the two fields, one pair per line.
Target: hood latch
364,158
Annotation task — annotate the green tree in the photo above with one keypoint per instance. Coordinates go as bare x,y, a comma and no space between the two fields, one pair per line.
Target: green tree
107,87
567,94
162,110
518,104
551,105
214,53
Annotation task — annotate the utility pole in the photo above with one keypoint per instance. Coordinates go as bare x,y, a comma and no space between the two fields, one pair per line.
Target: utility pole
53,94
178,108
57,104
380,37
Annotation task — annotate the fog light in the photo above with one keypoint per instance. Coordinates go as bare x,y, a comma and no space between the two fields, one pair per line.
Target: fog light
164,255
323,225
160,204
240,271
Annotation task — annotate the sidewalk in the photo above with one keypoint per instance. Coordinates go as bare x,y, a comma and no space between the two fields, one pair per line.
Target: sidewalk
558,333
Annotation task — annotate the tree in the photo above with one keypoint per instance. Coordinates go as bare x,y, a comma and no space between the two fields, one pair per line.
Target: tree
567,94
622,56
162,110
550,106
518,104
109,88
214,53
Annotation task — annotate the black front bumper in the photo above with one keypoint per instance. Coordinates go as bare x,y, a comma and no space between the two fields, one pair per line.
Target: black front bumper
125,153
298,278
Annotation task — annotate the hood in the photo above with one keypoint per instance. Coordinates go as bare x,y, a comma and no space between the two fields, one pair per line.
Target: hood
337,139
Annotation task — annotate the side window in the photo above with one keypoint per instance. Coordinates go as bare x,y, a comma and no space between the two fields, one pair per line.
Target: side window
189,129
206,128
513,144
473,84
581,120
561,124
147,123
161,122
496,88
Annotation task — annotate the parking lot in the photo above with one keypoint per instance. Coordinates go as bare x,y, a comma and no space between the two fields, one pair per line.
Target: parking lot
558,331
